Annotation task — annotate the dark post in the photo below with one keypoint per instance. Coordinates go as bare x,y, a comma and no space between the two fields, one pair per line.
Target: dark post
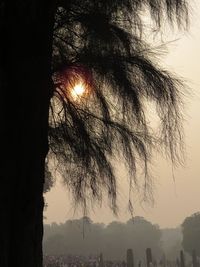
149,257
101,263
182,258
130,258
194,259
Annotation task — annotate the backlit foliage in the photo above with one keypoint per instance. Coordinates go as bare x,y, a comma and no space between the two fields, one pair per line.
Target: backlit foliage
101,42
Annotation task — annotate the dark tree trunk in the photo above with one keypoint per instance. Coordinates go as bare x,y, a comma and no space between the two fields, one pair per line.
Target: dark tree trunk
26,29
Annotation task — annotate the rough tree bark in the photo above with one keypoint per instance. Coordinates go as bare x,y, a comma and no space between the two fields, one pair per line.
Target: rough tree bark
25,82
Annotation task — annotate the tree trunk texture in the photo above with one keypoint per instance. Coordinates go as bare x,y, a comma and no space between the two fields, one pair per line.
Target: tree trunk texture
26,29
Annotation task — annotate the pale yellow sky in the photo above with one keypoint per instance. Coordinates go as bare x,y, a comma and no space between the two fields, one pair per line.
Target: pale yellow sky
174,200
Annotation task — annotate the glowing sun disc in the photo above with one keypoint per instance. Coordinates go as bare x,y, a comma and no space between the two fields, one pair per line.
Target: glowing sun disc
78,90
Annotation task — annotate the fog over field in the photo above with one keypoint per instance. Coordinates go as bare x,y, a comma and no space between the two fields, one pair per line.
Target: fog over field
88,238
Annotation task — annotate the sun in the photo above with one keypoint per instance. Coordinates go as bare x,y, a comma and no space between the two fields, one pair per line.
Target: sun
75,83
78,90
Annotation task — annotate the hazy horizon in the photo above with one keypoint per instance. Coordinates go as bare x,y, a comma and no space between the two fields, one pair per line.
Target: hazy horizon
176,198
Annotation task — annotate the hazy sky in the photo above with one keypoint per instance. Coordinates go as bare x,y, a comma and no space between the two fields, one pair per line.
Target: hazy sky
174,200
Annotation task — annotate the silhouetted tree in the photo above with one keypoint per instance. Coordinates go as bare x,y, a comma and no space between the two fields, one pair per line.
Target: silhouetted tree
191,232
101,42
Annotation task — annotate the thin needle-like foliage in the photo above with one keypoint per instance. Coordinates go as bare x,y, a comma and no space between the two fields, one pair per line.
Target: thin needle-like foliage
100,42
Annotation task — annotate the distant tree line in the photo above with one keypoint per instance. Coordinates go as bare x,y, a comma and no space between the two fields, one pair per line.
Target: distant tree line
84,237
87,238
191,234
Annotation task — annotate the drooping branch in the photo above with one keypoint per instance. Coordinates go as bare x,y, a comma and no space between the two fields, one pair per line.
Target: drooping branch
102,40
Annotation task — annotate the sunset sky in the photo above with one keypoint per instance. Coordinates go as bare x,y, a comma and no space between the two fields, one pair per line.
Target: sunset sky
175,198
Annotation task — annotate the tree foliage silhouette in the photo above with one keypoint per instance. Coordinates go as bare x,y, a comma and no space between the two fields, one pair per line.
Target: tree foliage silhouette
102,42
191,230
44,47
